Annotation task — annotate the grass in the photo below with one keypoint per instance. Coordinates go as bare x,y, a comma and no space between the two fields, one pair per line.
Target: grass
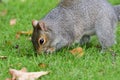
62,64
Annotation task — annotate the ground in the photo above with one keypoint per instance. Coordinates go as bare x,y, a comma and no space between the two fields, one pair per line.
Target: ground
62,65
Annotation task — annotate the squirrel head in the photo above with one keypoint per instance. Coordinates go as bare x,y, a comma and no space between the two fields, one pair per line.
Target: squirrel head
41,37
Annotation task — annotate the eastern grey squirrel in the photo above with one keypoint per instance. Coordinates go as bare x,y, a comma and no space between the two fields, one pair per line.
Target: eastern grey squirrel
75,21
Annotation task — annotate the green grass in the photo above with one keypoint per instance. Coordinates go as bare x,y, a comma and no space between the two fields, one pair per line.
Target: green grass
62,64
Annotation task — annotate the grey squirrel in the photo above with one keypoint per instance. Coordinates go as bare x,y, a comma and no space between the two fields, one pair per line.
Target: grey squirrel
75,21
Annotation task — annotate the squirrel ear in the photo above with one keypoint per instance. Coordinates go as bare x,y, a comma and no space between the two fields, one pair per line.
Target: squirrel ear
42,26
39,24
34,23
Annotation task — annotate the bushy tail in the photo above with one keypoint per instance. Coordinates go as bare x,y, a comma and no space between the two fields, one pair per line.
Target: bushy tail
117,11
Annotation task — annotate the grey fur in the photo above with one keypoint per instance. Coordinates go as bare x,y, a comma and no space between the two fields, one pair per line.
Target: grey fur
73,19
117,11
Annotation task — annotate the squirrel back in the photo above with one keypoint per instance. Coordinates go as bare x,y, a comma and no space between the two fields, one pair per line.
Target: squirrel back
71,20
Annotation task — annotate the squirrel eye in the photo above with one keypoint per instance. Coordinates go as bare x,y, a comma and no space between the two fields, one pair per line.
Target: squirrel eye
41,41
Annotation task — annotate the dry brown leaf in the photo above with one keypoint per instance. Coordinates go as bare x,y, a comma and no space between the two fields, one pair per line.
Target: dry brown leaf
42,65
24,75
12,22
3,57
18,34
25,32
77,51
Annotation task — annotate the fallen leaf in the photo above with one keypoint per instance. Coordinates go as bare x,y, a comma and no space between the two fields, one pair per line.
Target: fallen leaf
25,32
24,75
77,51
42,65
3,57
18,34
3,13
12,22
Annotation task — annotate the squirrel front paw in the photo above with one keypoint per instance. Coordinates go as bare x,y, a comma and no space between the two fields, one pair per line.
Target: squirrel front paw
85,39
49,50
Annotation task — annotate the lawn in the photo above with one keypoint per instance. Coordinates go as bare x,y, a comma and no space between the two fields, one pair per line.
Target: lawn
62,64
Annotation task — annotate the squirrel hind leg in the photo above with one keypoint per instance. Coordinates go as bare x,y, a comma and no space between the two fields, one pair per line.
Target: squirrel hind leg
106,34
84,40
